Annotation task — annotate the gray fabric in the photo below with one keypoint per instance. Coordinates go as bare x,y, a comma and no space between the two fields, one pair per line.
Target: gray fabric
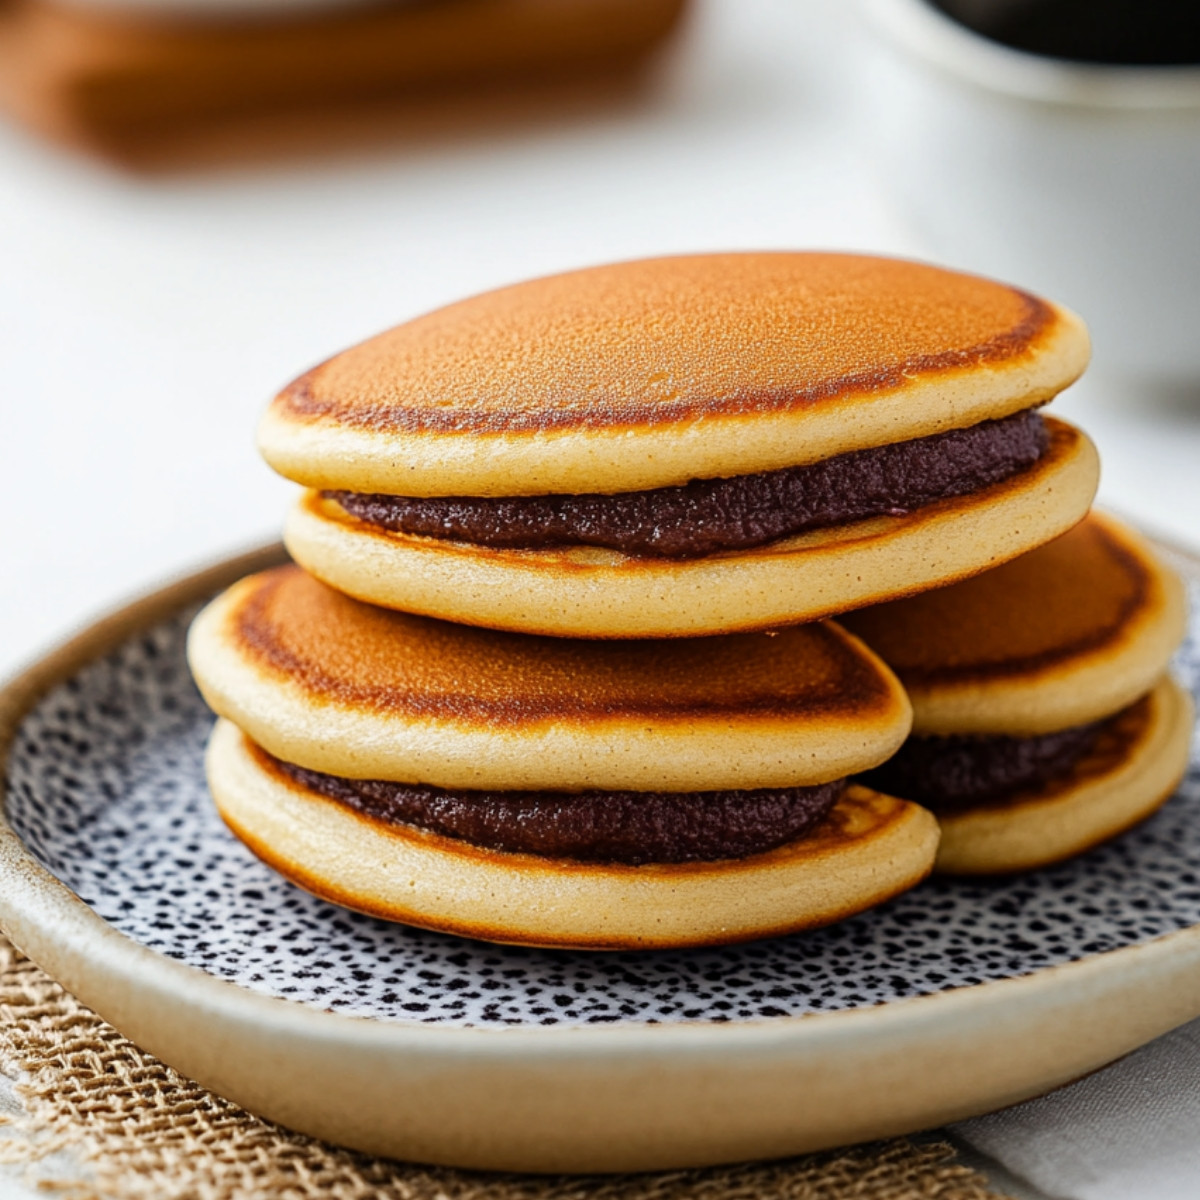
1127,1132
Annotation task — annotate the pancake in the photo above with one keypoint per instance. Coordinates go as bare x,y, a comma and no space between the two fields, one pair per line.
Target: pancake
554,792
1127,773
333,685
584,591
650,374
687,446
1065,635
1043,720
869,848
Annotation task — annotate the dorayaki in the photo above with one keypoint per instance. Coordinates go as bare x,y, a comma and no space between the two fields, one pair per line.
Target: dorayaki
549,791
684,446
1044,719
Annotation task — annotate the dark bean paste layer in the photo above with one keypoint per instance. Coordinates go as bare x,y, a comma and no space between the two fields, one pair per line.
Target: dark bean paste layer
961,771
594,826
710,515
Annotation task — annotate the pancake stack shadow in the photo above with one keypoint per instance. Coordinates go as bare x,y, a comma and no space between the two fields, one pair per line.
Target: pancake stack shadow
555,665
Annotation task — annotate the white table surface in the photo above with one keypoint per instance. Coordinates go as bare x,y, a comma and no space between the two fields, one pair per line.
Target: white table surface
144,323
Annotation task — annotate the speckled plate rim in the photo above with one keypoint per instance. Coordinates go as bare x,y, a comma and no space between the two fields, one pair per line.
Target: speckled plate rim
606,1098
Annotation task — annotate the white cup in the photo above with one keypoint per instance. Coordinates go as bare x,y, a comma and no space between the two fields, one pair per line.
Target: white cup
1075,180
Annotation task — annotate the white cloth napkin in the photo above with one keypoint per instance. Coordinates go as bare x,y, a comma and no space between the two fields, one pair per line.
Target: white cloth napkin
1130,1132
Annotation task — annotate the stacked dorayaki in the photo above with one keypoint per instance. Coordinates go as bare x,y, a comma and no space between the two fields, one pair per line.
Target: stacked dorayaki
555,665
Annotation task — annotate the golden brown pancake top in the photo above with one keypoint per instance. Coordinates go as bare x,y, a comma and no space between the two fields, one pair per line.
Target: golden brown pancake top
666,340
1075,596
346,652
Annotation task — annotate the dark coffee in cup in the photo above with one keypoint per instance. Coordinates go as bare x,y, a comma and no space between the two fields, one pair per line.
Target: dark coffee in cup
1131,32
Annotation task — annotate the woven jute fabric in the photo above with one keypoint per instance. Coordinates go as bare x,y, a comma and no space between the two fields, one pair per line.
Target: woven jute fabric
100,1118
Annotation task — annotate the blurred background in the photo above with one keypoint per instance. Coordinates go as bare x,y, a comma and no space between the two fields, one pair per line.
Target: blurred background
196,204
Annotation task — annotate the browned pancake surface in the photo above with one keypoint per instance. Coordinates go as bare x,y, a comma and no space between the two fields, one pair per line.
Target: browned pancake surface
1074,596
659,341
344,651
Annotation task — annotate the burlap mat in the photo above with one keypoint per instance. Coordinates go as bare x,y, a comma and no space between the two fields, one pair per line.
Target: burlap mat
99,1118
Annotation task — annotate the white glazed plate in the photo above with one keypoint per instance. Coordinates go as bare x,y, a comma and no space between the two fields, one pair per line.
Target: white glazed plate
117,877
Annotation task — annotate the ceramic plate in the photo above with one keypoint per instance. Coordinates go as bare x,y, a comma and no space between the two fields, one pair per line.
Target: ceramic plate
117,876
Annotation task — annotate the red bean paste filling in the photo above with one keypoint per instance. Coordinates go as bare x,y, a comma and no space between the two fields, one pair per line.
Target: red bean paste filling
710,515
592,826
965,770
